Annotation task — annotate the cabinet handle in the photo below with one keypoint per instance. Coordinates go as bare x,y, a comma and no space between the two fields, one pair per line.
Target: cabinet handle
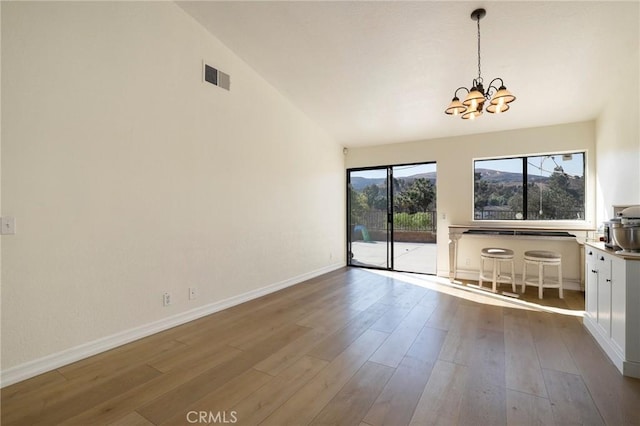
608,280
594,271
590,253
602,258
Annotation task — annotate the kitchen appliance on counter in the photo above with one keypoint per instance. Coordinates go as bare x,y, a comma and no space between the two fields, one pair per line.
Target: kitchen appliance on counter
627,234
608,238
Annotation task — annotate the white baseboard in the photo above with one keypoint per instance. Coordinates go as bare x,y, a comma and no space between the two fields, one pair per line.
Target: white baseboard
605,343
631,369
85,350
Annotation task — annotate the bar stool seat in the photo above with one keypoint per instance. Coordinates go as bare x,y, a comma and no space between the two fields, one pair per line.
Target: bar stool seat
542,259
497,256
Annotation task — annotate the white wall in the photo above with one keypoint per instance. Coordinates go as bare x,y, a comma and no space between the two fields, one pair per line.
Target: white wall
0,185
129,177
618,134
454,157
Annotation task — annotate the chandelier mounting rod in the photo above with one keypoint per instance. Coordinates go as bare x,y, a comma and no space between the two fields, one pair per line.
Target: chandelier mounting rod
477,15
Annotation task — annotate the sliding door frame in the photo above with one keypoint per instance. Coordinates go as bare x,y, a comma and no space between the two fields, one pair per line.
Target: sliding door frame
389,232
390,195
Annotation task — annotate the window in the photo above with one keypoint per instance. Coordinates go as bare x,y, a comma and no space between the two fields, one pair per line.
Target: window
552,187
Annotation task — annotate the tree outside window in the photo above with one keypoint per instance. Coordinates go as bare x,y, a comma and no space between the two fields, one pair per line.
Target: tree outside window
555,188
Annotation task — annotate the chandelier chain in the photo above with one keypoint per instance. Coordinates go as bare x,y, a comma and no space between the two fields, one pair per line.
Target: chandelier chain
479,70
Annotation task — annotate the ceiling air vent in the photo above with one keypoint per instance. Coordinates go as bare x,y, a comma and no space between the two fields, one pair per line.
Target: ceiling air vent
217,77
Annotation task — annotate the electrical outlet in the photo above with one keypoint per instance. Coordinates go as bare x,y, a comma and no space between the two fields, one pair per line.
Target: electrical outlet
467,262
8,226
193,293
166,299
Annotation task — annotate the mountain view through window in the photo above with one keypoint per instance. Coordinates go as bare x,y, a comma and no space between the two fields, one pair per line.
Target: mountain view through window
552,187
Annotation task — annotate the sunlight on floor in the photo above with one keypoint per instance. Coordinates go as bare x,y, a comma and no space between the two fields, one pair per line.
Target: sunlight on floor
460,290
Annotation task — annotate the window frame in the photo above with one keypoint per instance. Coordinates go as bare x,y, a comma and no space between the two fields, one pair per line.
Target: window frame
535,223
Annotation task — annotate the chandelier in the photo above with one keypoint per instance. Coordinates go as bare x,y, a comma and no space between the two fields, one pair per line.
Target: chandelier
472,106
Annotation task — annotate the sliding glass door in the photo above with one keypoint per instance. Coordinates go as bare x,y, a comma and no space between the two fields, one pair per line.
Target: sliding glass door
369,232
392,217
414,218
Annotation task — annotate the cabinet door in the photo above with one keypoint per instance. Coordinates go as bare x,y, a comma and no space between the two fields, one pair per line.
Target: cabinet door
603,267
618,302
591,283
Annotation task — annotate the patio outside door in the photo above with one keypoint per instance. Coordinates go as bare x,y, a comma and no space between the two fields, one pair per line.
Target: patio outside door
369,233
392,217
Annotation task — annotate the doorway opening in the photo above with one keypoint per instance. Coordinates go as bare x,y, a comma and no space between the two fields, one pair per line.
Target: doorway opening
392,218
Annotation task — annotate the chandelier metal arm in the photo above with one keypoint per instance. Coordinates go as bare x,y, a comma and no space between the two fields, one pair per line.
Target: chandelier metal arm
455,94
491,89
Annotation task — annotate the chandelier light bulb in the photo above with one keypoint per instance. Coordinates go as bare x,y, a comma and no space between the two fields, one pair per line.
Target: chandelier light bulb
455,107
497,108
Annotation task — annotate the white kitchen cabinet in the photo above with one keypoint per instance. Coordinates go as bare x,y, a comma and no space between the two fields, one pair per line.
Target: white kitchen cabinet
603,278
591,283
618,302
612,305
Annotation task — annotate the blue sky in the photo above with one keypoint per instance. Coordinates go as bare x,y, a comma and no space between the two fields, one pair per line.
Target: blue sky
398,171
403,171
573,167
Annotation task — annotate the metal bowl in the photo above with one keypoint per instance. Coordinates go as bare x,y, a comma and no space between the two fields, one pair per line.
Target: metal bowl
627,237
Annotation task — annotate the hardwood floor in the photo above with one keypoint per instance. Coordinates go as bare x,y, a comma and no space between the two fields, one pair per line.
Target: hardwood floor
353,347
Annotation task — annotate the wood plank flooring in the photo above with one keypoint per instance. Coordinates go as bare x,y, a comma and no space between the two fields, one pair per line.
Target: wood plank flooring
353,347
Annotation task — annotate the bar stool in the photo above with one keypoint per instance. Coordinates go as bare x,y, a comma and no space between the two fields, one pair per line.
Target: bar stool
542,258
497,256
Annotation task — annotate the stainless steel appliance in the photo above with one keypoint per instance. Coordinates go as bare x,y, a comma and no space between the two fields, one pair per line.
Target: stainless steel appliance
627,235
608,238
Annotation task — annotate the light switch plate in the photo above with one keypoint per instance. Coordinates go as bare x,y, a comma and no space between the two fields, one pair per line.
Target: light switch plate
8,226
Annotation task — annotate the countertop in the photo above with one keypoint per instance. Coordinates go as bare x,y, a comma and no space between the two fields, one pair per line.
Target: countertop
600,246
518,226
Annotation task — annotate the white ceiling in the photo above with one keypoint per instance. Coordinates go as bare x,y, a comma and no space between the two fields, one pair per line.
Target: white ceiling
383,72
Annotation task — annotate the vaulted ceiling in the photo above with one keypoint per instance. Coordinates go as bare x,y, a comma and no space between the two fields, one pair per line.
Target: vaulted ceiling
373,72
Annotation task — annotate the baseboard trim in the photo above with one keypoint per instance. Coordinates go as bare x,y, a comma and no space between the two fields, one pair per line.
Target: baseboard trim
631,369
51,362
605,343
